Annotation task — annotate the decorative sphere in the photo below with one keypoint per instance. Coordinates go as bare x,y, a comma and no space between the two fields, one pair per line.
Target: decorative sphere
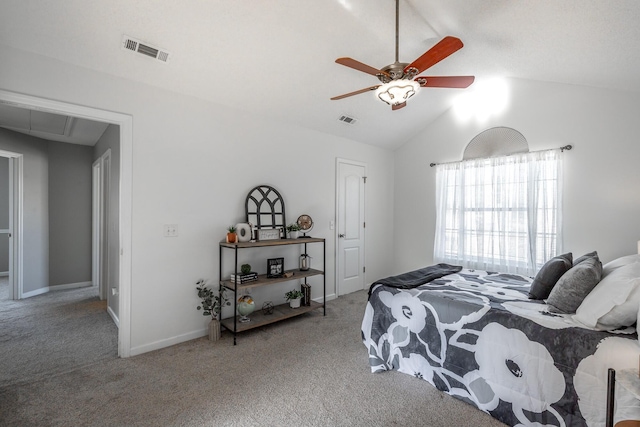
246,305
267,307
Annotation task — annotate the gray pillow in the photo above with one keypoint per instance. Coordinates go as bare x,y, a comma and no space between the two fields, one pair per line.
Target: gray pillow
574,286
585,257
549,274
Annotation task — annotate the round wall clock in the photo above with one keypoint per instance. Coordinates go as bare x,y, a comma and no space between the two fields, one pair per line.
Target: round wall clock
305,223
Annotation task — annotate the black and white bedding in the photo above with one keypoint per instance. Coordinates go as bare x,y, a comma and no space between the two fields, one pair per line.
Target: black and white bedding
478,336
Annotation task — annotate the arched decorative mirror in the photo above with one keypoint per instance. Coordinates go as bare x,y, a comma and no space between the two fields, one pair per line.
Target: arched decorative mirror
265,208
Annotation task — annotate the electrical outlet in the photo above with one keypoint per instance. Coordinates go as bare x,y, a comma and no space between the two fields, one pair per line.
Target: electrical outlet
332,225
171,230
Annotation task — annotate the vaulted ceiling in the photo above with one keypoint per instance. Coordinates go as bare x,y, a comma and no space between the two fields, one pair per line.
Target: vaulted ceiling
276,58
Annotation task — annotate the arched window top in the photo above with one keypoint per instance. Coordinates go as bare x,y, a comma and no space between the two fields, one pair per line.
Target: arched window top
497,141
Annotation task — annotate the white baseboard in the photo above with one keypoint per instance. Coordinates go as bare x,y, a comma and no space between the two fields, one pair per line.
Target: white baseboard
35,292
157,345
113,316
329,298
4,274
70,286
55,288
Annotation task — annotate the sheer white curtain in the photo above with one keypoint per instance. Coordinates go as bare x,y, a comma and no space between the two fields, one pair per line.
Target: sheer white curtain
500,214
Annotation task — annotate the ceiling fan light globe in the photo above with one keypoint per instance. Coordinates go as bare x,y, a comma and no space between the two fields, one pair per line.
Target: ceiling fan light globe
397,92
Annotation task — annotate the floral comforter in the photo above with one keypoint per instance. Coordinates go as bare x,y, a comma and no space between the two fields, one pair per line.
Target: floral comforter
477,336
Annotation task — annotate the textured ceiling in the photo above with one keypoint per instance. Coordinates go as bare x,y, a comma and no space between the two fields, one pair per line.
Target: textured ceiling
276,58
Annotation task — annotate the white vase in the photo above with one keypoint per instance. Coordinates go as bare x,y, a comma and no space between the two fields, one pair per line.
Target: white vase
293,234
294,303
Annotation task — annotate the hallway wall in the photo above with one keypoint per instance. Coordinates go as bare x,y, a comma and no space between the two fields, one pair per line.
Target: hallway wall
4,214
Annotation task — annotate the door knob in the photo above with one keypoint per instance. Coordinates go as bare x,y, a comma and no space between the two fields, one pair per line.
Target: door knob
341,235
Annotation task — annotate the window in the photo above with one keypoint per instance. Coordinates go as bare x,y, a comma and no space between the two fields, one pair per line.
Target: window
499,214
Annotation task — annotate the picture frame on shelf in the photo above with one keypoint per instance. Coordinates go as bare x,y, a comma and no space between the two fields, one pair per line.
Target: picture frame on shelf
275,267
267,234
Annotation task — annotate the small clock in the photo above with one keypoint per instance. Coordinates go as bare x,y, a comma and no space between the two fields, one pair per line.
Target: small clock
305,223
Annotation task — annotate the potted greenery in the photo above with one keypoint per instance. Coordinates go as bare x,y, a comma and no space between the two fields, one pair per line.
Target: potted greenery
294,297
231,235
293,230
211,304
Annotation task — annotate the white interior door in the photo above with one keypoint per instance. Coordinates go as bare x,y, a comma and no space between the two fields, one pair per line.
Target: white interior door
350,268
14,232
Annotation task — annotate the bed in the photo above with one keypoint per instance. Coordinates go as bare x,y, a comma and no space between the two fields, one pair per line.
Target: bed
480,337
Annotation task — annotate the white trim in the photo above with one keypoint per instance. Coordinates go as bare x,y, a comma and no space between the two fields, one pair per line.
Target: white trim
113,316
35,292
125,122
4,274
157,345
105,221
16,206
70,286
96,197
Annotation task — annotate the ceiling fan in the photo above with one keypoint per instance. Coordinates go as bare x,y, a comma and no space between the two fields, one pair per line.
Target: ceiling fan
398,83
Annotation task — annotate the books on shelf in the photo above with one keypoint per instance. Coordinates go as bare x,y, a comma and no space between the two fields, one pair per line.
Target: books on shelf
244,278
306,290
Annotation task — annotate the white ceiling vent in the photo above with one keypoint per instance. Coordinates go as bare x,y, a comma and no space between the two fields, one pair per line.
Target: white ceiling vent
133,45
348,120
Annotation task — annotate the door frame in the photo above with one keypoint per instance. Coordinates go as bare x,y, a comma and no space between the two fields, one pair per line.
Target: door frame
125,123
16,197
341,161
96,223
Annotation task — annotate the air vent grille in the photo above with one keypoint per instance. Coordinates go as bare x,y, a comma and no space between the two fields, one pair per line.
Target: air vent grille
133,45
348,120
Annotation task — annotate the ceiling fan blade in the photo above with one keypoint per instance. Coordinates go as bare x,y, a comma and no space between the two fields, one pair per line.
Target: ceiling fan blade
357,65
399,106
459,82
357,92
437,53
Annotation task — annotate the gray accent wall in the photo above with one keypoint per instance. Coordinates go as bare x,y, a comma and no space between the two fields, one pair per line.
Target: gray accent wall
57,210
35,206
111,140
69,213
4,214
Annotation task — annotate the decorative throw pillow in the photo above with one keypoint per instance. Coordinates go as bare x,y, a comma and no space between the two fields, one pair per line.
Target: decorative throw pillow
611,299
584,257
574,285
549,274
619,262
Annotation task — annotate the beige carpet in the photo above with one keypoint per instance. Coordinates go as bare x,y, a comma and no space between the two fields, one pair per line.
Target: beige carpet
307,371
53,333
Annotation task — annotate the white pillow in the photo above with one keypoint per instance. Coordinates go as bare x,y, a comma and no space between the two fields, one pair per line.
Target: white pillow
625,314
614,301
619,262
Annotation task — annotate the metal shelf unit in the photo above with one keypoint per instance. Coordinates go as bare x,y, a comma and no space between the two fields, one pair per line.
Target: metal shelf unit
282,311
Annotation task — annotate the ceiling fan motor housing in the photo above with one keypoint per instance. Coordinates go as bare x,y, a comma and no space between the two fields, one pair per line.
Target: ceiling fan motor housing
392,72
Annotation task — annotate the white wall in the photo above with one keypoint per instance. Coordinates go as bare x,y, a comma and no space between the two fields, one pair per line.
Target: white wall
601,174
193,164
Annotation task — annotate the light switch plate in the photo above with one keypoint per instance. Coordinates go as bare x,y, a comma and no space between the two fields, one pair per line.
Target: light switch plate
171,230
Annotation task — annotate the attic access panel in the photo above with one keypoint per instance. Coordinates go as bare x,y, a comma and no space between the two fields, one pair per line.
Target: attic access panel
265,208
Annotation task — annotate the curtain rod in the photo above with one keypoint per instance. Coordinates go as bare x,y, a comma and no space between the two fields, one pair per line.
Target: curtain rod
565,147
